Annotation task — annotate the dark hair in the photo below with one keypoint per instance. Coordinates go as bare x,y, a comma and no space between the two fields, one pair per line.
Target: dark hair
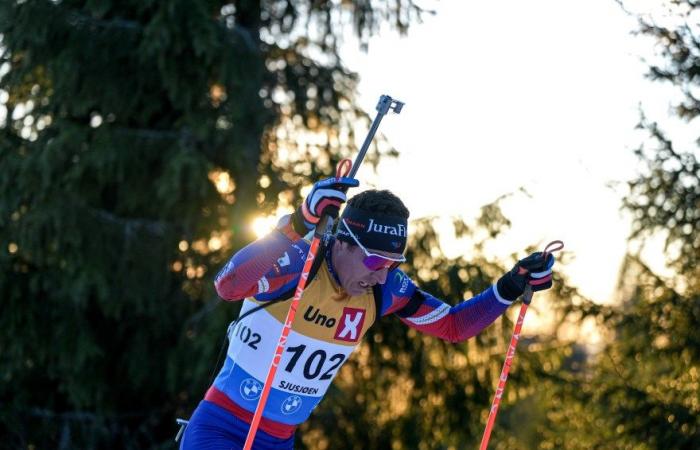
381,202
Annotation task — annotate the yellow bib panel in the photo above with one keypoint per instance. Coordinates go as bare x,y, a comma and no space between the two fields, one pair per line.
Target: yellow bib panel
324,333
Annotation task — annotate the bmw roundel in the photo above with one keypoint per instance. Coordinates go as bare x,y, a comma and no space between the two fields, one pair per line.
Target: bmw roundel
291,404
251,389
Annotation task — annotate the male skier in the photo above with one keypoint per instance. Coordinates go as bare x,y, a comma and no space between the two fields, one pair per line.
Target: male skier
357,282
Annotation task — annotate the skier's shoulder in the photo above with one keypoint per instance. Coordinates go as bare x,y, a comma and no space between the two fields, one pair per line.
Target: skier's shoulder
292,258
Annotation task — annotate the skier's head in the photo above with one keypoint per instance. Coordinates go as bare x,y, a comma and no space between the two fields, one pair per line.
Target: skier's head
370,240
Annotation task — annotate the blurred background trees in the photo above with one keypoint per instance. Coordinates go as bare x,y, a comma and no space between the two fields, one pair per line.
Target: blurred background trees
140,141
641,390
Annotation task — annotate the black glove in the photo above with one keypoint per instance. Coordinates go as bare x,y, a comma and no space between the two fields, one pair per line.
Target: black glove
325,197
533,270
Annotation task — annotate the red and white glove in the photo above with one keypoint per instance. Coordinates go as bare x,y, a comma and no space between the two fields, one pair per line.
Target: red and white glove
325,198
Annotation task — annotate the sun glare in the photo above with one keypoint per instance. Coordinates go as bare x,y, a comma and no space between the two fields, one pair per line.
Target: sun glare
263,225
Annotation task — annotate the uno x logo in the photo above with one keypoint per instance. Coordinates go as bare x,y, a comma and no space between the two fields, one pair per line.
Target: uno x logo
350,325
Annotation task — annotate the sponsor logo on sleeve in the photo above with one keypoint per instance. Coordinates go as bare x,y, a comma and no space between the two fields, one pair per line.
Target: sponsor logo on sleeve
400,283
300,251
263,285
350,325
284,260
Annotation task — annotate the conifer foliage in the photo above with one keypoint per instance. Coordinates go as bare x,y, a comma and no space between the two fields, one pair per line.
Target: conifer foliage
641,390
137,140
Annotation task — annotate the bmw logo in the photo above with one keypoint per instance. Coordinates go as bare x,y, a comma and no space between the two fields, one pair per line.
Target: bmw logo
251,389
291,404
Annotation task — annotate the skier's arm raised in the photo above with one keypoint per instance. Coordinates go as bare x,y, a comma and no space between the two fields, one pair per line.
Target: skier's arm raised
272,264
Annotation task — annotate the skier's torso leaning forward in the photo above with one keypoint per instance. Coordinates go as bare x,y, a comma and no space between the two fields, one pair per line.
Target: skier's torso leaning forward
357,283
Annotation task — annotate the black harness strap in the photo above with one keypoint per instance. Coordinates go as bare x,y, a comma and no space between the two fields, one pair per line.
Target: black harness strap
413,304
290,293
376,290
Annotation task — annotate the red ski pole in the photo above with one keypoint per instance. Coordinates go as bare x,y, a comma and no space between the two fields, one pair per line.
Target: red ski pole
385,104
527,297
282,343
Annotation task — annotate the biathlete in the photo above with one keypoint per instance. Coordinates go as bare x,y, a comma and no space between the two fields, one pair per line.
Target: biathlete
357,282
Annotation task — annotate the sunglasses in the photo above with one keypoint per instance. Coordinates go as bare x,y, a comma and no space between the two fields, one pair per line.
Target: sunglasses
374,261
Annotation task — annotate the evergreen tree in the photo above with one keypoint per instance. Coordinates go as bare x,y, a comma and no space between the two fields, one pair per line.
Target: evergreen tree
641,392
140,138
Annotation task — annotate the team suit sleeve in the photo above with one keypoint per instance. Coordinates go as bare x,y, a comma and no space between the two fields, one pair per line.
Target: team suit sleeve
430,315
265,268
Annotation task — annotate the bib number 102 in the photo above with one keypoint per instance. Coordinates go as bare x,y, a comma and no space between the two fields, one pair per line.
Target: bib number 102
246,335
314,362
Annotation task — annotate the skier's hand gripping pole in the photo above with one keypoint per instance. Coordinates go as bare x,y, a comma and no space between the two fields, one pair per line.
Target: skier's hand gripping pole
385,105
521,269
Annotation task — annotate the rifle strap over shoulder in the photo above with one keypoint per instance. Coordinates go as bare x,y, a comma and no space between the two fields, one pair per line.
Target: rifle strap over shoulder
376,289
290,293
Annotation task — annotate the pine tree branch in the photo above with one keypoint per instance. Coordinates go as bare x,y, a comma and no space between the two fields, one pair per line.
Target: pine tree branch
242,32
152,133
131,225
79,20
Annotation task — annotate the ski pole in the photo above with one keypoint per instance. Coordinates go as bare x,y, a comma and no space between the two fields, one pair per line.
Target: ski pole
527,297
385,104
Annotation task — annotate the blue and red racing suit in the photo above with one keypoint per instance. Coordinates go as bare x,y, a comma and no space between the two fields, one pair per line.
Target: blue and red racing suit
325,331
